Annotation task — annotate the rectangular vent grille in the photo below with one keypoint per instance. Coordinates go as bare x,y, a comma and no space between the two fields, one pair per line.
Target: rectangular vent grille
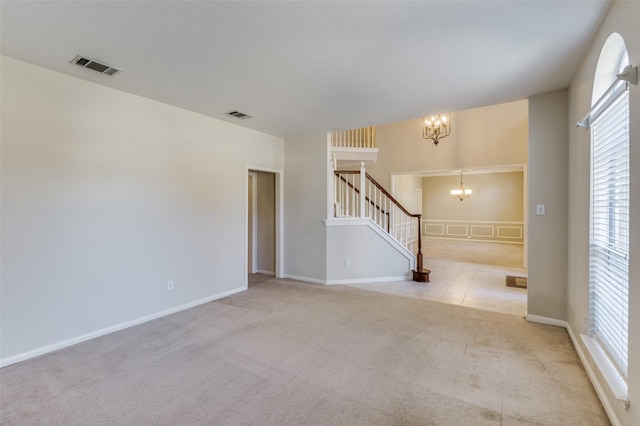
94,65
238,114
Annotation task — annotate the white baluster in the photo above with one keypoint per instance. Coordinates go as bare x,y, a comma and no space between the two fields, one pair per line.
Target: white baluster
356,198
370,194
341,196
393,228
378,203
347,195
331,197
363,176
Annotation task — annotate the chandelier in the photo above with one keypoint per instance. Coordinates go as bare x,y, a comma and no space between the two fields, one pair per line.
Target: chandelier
461,193
436,127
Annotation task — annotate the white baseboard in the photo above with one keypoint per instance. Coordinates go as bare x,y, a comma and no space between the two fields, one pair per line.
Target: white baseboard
547,321
583,359
305,279
369,280
264,272
347,281
597,385
94,334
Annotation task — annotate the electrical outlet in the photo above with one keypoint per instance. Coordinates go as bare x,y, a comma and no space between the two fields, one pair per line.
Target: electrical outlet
347,262
170,285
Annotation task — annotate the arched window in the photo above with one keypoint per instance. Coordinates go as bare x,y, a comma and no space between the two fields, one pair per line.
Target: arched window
609,213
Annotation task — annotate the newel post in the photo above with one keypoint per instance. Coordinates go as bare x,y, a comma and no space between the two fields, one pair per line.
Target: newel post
363,177
419,256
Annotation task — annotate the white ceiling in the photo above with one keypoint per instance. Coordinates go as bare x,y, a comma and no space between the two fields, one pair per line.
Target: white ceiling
307,67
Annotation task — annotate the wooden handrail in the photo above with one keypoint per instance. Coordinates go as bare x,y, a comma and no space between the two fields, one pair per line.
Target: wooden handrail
380,209
420,274
384,191
394,201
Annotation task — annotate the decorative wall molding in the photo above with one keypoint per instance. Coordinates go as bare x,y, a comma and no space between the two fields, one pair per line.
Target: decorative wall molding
433,229
502,233
474,230
458,230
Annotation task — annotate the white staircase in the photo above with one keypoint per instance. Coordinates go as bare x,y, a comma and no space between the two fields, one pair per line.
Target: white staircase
355,194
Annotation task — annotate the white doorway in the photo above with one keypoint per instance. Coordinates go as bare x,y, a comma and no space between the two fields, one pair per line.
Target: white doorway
264,222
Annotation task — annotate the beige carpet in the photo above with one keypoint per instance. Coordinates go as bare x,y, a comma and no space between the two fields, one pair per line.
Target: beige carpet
501,254
288,353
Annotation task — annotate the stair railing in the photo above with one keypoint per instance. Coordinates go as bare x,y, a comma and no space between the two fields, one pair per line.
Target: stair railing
358,195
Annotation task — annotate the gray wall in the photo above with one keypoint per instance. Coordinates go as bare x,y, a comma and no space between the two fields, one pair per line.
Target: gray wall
548,184
106,197
623,19
305,188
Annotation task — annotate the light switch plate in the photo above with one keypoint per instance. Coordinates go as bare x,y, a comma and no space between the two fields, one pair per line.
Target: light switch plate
540,209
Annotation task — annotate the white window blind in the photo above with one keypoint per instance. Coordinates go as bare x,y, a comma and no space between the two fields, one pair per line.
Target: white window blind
609,226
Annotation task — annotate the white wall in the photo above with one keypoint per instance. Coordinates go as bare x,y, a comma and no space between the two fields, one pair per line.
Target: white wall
106,196
622,18
548,185
305,188
357,253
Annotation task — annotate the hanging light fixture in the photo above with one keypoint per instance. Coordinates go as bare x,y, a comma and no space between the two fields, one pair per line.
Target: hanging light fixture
436,127
461,193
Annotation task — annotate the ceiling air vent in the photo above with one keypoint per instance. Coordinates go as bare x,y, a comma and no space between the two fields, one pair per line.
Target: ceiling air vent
94,65
238,114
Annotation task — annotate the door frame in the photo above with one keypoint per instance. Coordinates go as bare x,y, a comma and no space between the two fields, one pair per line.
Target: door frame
252,208
279,228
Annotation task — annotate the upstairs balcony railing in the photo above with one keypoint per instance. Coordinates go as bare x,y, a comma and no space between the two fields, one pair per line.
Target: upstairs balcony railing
364,137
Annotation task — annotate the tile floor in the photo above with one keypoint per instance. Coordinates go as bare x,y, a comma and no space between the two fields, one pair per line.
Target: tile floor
466,284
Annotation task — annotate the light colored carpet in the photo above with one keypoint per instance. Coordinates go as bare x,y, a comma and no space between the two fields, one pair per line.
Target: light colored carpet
289,353
501,254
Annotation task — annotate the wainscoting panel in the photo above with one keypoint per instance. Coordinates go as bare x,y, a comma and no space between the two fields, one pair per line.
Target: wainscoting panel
482,231
433,230
512,232
458,230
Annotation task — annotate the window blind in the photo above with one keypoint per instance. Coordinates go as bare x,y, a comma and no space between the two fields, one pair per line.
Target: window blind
609,226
